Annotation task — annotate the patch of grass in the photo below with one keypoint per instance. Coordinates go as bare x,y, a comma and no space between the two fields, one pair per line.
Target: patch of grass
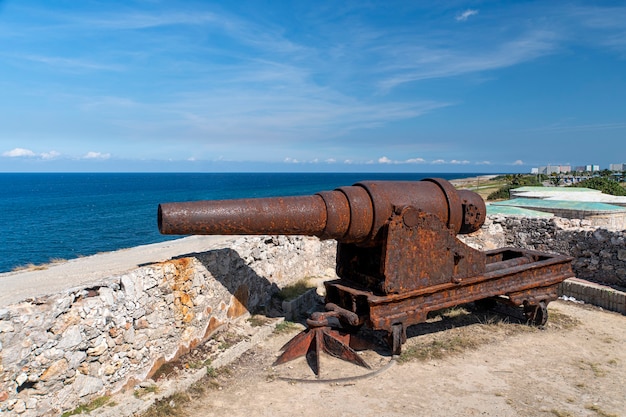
596,409
212,379
474,331
285,327
258,321
228,340
93,405
30,267
594,367
197,389
198,364
38,267
142,392
439,348
172,406
293,291
558,320
560,413
57,260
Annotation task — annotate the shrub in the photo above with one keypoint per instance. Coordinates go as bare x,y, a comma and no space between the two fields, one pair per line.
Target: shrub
606,185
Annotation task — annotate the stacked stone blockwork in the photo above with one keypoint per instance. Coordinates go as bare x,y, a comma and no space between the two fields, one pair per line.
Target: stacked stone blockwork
62,350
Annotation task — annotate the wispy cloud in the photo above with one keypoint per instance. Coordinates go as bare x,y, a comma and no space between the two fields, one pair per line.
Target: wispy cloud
19,153
96,155
421,63
385,160
50,155
463,16
72,63
27,153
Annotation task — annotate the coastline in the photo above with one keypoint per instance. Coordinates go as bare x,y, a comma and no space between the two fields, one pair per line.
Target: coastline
472,181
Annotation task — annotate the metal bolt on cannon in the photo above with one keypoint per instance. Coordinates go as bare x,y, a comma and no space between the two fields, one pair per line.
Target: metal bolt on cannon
398,257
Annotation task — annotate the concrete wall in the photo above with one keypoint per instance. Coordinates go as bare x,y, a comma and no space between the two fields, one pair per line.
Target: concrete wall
64,349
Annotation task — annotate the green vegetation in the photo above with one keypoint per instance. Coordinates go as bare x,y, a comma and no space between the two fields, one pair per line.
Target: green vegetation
87,408
285,327
172,406
515,181
560,413
294,290
141,392
258,321
604,184
595,408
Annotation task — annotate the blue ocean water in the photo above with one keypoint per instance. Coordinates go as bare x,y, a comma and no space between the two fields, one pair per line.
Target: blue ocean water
47,216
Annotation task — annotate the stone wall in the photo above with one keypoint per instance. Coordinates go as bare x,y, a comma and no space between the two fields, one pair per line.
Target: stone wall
65,349
599,254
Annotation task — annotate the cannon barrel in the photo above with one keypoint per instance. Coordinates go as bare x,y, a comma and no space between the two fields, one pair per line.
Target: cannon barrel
354,213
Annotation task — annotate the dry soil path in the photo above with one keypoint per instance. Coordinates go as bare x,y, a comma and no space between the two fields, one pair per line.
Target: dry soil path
576,366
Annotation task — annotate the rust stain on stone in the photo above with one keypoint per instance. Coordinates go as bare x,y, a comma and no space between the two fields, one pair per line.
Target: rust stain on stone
239,302
181,282
213,325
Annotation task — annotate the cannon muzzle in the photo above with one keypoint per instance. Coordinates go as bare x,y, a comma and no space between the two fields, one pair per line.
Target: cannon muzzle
354,213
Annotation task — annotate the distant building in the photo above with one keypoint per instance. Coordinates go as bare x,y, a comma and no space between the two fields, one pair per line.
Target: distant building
617,167
592,168
553,169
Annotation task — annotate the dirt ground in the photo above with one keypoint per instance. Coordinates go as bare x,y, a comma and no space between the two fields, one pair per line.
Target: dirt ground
461,363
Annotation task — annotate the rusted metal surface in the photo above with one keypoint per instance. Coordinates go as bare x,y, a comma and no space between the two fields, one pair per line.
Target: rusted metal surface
398,256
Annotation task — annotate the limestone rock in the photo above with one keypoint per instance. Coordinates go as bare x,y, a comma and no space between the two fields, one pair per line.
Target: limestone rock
57,368
86,385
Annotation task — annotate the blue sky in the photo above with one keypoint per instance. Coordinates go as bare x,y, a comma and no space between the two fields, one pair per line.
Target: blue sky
414,86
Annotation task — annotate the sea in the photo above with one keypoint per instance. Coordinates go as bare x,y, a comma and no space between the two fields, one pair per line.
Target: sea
49,217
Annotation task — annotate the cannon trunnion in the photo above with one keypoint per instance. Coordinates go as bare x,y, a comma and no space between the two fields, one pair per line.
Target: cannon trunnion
398,256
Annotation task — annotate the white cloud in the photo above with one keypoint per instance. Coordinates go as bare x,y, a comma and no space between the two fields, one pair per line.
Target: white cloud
483,163
50,155
462,17
385,160
96,155
289,160
457,162
439,161
331,161
19,152
518,162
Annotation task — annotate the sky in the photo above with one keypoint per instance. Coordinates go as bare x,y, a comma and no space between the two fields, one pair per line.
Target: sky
321,86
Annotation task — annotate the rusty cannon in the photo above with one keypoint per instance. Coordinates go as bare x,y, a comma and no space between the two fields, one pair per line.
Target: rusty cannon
398,257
